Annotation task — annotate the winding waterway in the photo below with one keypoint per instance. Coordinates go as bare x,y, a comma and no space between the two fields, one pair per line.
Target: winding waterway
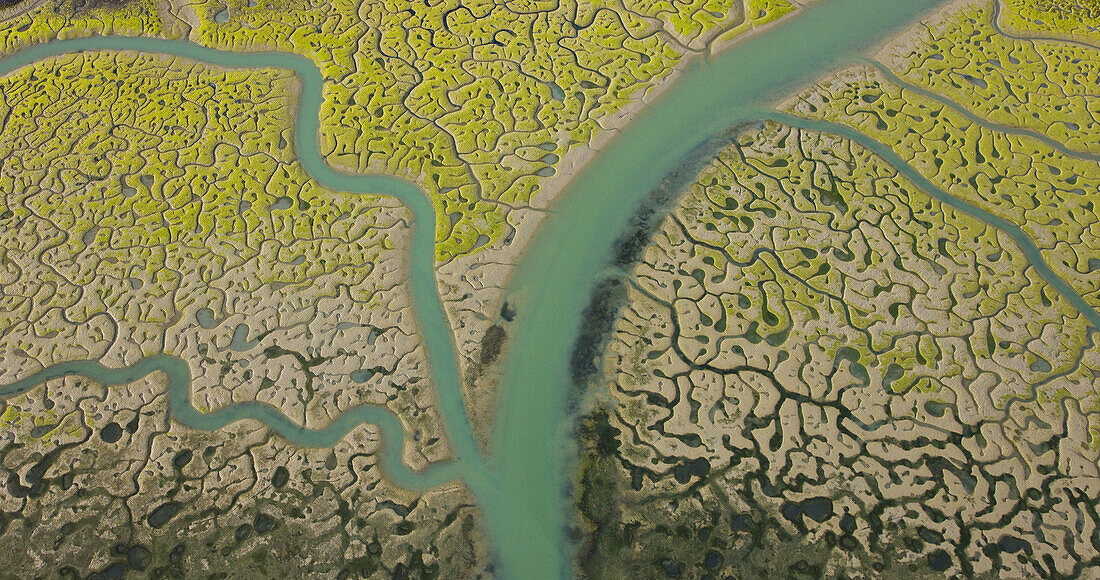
521,484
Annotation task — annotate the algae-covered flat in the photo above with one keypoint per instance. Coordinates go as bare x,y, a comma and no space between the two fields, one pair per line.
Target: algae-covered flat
297,288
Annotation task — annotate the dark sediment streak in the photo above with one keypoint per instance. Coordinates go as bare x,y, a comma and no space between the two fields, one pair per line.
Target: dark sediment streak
609,297
591,430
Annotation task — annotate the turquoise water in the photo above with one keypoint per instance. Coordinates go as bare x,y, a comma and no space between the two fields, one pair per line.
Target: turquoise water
531,444
179,401
521,484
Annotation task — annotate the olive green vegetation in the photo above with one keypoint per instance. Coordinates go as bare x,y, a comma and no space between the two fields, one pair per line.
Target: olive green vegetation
1075,19
476,102
823,371
1019,177
1042,86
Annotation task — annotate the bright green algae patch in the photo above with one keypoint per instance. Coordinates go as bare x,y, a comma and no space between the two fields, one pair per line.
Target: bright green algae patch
1048,87
1024,181
490,108
469,100
1075,19
1047,193
476,103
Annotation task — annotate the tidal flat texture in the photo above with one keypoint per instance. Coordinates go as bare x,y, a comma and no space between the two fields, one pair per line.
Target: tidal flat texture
863,343
288,288
217,312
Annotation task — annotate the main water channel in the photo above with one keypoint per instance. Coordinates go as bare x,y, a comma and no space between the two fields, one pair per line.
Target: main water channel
521,484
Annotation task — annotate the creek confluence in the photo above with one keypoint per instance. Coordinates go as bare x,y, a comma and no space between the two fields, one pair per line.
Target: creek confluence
522,485
426,304
531,447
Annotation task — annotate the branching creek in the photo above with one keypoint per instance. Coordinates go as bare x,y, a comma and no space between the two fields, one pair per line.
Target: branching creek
522,482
